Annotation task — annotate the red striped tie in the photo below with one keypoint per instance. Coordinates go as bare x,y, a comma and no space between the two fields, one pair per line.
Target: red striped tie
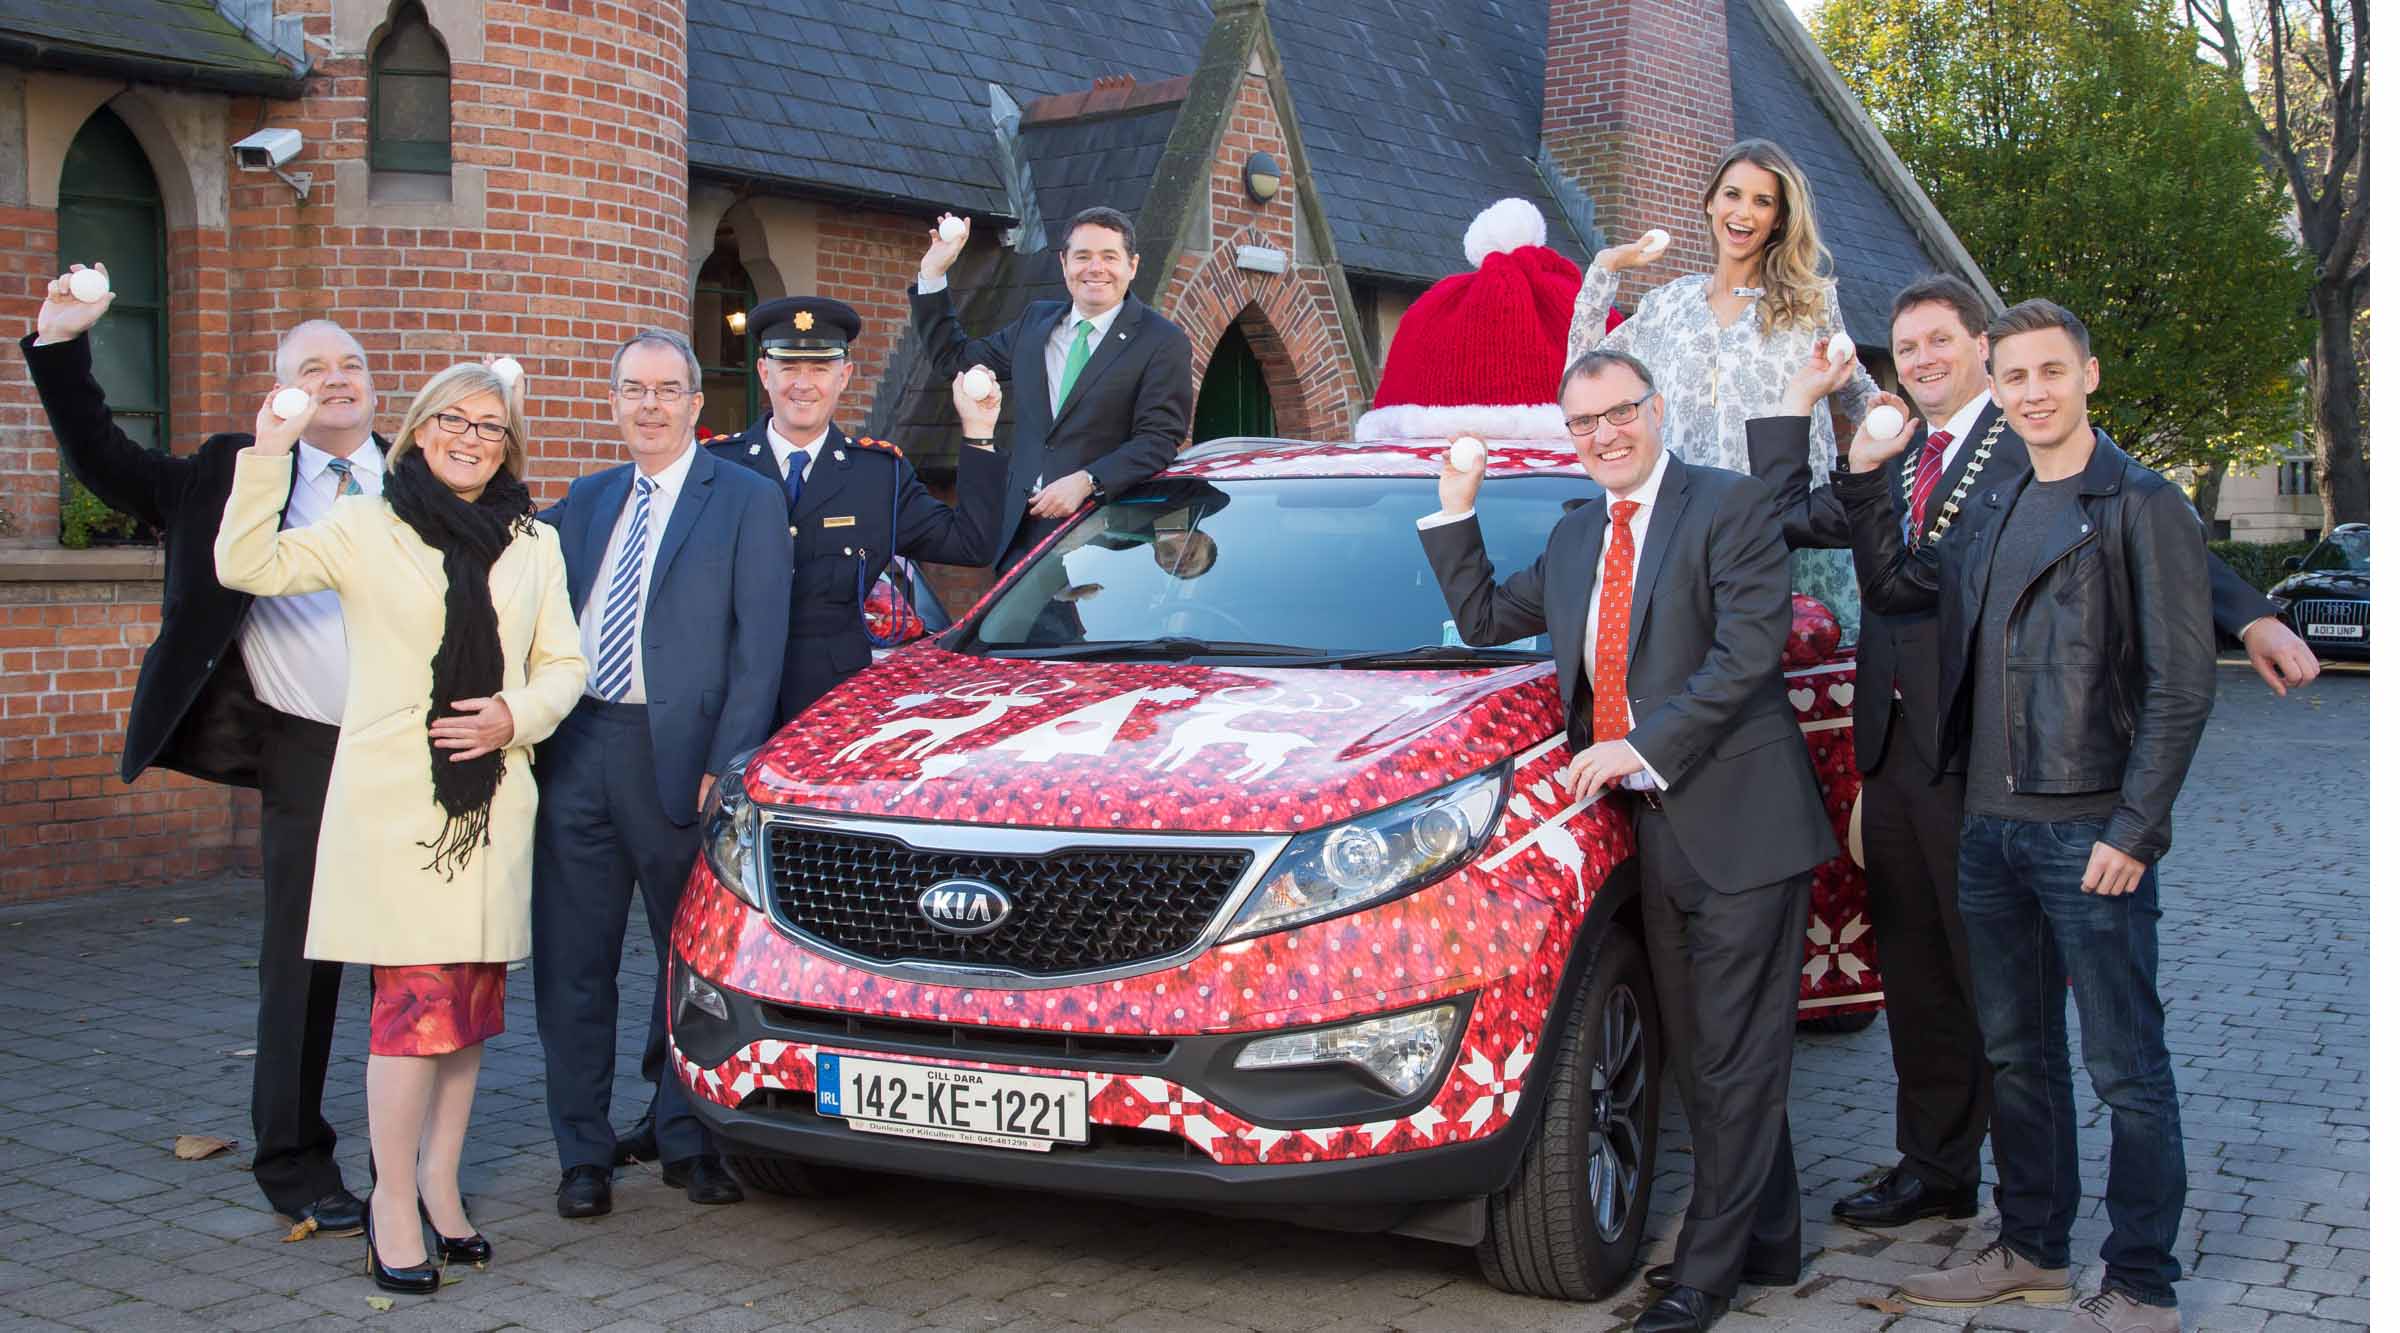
1929,476
1611,653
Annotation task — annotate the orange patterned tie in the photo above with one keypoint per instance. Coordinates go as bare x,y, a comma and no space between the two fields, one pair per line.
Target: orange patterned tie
1610,652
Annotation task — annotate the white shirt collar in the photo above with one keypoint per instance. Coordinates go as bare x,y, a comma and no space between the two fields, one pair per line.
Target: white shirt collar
1963,420
669,479
1100,322
1646,494
784,449
367,458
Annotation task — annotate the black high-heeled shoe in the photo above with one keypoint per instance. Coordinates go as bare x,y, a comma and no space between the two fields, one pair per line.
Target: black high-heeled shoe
472,1250
421,1280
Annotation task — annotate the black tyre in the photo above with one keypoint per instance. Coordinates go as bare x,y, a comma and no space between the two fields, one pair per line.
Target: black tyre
1840,1025
1570,1225
792,1178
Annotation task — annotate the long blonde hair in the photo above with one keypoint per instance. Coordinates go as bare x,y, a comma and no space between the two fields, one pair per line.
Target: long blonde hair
1792,270
452,387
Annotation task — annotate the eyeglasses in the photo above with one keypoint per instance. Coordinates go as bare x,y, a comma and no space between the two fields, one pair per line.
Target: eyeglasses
1620,415
490,432
668,395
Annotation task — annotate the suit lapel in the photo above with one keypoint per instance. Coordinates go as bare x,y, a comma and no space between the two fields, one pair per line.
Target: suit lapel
826,475
698,484
758,455
1672,491
1120,332
1033,368
1577,583
590,538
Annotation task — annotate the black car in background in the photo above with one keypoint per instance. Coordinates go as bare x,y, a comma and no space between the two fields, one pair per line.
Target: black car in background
2325,599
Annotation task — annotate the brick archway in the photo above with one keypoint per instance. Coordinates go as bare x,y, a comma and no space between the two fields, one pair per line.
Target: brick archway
1285,318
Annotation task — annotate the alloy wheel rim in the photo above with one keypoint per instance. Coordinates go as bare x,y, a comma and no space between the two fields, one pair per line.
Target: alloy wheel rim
1613,1145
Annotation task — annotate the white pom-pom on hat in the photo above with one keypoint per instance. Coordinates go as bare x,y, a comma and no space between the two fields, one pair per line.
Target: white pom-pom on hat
1503,227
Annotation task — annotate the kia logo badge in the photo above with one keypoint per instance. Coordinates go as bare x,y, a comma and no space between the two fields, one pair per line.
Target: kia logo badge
964,906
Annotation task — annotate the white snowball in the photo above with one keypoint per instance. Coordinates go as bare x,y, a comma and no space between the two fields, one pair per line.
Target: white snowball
1467,454
88,284
290,403
1839,348
509,370
979,383
954,228
1654,241
1885,421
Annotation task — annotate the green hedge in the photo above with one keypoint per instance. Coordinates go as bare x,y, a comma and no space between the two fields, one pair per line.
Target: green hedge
2260,563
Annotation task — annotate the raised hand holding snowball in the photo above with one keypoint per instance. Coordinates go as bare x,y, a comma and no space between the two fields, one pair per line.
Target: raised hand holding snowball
1459,486
68,313
1822,374
976,395
944,242
1870,450
274,433
1640,252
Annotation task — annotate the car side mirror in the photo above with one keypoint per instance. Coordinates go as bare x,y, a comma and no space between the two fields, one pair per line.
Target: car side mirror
2292,563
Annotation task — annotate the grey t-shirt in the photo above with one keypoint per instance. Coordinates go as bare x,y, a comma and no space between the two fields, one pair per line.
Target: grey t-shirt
2015,555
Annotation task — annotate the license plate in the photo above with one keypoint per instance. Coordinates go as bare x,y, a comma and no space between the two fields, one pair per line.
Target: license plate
2337,631
980,1106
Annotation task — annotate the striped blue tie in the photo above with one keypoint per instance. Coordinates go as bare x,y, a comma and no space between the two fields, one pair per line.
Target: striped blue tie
614,673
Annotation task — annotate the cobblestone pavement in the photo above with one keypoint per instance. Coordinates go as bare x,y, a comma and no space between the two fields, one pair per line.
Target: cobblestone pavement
125,1018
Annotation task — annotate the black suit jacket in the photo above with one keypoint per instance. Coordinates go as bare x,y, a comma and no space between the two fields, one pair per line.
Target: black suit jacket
1128,413
1905,647
193,708
1712,606
863,505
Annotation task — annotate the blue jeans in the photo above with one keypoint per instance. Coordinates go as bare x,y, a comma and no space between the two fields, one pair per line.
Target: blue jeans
2030,927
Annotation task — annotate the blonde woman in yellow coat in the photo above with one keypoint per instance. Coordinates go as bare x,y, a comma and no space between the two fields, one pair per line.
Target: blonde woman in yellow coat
463,654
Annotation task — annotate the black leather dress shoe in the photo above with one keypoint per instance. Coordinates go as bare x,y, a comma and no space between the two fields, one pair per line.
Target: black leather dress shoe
1662,1278
703,1179
638,1143
1683,1310
583,1191
340,1213
1900,1197
473,1250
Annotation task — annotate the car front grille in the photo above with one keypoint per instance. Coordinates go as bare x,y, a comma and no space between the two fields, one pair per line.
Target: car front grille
2320,611
1074,909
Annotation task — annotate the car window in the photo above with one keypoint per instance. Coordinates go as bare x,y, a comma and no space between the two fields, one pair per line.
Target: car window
2341,551
1324,563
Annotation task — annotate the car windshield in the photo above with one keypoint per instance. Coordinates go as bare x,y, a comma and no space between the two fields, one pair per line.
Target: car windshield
1319,565
2341,551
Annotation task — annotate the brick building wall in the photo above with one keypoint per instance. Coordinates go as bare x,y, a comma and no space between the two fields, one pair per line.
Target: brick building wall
1637,105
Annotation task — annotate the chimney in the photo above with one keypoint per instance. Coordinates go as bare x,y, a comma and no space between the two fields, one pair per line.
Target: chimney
1637,105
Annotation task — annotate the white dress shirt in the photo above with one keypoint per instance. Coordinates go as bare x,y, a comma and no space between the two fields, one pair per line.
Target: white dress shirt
785,450
294,647
669,481
1961,422
1645,495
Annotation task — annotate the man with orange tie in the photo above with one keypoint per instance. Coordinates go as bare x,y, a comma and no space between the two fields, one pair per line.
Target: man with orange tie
1667,604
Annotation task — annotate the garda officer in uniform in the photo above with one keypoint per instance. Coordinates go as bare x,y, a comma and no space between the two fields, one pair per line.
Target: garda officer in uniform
854,503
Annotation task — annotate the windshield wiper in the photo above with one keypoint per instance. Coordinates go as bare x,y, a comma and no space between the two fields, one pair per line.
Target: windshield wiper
1435,655
1166,645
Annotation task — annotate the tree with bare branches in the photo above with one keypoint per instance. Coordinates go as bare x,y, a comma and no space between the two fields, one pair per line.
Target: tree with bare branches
2303,70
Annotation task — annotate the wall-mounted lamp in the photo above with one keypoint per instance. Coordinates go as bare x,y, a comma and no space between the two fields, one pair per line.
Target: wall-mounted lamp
1261,177
738,321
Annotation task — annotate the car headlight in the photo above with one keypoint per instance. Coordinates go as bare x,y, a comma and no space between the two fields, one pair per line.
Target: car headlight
1393,851
1400,1051
730,842
2281,604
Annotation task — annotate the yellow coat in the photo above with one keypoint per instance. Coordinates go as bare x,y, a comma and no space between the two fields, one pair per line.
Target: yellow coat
374,900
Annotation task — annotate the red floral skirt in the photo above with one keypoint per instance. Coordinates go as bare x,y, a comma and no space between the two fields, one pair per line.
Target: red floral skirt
436,1008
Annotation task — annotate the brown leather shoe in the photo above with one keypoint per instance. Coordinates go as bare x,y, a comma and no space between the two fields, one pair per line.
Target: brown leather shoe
1996,1274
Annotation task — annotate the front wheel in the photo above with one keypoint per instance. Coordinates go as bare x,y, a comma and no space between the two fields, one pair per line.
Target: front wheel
1569,1226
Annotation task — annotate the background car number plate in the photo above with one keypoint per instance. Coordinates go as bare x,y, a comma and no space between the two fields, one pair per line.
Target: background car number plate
2337,631
979,1106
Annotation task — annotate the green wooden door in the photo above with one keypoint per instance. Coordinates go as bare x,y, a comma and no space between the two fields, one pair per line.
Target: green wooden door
109,212
1233,393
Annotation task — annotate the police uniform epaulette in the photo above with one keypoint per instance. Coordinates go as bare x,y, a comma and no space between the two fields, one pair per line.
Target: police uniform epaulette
885,446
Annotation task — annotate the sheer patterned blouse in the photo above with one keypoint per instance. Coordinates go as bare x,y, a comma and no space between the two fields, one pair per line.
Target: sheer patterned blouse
1713,379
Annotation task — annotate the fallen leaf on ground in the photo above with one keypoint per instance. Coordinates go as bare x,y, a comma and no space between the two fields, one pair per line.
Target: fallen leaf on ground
183,921
193,1147
1887,1305
301,1230
450,1279
245,1052
379,1304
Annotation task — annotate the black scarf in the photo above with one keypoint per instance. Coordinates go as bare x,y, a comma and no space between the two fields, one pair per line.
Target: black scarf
468,664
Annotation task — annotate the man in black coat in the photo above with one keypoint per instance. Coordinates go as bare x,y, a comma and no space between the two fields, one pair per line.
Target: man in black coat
1912,809
241,690
1667,602
1103,382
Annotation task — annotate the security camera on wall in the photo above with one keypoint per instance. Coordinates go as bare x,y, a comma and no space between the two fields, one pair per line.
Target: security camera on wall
268,150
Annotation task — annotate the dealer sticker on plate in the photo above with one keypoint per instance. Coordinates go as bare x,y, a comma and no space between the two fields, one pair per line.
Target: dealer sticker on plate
978,1106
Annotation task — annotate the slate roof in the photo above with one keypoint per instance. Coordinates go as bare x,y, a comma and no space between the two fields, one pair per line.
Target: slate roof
182,42
1414,114
1875,252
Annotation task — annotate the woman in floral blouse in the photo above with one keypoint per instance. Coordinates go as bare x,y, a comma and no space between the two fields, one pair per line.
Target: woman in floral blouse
1724,344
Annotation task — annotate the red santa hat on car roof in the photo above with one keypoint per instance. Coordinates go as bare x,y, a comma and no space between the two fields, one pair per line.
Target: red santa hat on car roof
1481,354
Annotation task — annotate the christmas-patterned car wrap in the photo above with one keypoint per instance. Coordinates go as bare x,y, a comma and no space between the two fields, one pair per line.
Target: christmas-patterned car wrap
1838,974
